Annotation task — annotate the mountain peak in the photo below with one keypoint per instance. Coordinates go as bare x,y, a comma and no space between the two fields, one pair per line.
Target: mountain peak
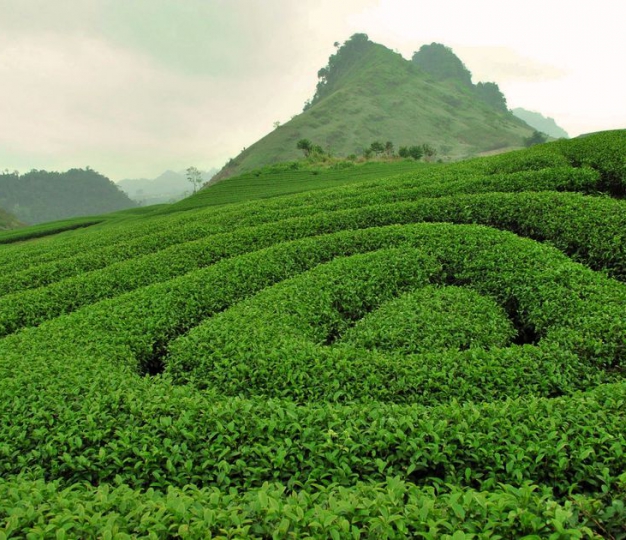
442,64
339,65
367,92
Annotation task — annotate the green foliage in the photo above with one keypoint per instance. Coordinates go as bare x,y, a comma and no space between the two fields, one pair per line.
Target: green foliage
490,93
389,148
433,319
604,153
441,63
416,152
47,229
311,151
377,147
392,509
267,344
432,350
305,145
535,138
40,196
428,150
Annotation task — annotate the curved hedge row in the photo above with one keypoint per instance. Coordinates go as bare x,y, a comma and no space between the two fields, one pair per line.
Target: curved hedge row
591,230
28,271
100,420
276,344
239,376
433,319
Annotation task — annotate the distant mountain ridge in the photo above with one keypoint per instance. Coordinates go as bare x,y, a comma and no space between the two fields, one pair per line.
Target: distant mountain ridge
367,93
541,123
41,196
169,186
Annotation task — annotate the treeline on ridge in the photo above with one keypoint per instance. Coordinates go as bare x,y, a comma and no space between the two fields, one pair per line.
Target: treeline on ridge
417,151
40,196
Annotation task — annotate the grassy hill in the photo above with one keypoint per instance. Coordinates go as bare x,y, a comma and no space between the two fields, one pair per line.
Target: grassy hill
292,177
433,352
368,93
43,196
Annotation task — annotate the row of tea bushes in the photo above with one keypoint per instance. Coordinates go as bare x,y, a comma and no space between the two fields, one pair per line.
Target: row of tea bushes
80,411
277,343
591,230
393,509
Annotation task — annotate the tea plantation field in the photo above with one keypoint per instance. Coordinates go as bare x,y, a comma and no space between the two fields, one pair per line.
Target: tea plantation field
436,352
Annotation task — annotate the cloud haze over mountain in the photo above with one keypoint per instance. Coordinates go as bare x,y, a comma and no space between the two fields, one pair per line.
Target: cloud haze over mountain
134,88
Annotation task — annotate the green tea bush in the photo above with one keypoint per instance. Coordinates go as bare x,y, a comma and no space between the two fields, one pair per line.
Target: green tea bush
46,229
393,509
436,354
433,319
589,229
276,344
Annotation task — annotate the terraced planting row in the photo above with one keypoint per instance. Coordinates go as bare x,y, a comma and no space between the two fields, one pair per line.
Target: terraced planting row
539,171
329,365
589,229
98,250
46,229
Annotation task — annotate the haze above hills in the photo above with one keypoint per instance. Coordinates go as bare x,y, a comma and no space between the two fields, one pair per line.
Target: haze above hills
365,93
541,123
169,186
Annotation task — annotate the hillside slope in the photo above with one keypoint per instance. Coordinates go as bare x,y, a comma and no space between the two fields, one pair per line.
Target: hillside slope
541,123
368,93
41,196
8,221
438,353
292,177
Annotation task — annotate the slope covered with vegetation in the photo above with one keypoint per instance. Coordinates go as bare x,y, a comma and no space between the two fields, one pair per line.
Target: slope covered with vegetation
290,178
8,221
437,353
541,123
368,92
41,196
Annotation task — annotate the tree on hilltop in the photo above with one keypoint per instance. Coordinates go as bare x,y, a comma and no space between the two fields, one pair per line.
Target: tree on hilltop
338,64
490,94
194,176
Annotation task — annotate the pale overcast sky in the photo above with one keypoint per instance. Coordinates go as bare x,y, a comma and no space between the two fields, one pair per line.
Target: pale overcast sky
135,87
